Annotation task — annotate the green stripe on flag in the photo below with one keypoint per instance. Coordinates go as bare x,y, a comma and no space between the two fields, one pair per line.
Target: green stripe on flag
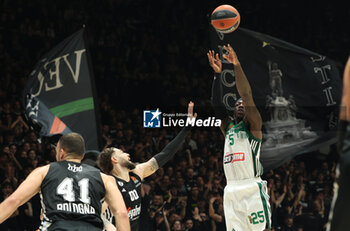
73,107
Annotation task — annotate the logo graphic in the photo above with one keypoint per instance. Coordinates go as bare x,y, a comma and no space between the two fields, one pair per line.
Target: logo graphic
74,168
134,213
120,183
151,118
134,179
233,157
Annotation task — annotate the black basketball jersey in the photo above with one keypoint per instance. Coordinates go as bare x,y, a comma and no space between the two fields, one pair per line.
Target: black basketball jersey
131,192
72,192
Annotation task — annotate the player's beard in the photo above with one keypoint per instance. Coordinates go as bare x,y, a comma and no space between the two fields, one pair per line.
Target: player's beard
128,164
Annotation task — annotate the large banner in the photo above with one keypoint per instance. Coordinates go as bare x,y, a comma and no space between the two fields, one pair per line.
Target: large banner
59,93
297,92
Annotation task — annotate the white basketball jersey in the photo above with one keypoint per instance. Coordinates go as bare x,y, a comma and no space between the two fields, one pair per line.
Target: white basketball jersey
241,153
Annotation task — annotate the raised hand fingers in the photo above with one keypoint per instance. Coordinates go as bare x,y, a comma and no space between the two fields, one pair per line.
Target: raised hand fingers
210,55
190,108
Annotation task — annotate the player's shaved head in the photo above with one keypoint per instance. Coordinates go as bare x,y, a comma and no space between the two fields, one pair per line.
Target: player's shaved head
73,144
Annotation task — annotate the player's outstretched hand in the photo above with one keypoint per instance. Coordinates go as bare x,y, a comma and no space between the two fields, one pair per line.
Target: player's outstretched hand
231,56
190,110
214,61
345,103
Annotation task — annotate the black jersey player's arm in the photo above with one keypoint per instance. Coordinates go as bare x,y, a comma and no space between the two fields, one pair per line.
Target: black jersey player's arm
243,87
216,91
116,203
108,226
148,168
29,187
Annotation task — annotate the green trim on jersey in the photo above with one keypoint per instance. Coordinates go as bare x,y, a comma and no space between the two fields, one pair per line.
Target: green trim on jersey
264,203
232,125
254,142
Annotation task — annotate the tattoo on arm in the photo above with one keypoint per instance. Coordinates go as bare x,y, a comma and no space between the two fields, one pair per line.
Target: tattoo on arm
150,167
153,166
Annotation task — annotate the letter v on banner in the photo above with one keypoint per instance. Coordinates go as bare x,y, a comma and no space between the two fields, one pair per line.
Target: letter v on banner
60,94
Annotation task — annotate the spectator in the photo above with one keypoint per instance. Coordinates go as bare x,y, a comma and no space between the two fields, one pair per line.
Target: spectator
216,213
310,220
177,226
288,224
14,222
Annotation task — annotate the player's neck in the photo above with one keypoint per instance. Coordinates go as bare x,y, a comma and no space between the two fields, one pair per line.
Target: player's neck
72,159
121,172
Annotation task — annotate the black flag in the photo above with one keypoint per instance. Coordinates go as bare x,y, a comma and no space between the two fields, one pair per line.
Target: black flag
59,93
297,92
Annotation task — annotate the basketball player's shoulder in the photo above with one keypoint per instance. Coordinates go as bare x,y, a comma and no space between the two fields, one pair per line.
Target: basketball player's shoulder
43,169
40,172
106,178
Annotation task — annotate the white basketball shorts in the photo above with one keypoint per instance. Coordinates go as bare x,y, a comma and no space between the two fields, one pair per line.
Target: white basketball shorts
246,205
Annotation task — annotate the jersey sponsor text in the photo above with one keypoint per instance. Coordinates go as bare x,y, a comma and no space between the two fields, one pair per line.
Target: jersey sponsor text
74,168
233,157
76,208
134,213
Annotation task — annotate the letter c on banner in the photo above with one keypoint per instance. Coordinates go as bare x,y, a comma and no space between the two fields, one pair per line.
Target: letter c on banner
226,101
224,78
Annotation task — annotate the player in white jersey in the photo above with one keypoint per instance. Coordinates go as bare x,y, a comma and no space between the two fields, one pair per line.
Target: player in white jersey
246,202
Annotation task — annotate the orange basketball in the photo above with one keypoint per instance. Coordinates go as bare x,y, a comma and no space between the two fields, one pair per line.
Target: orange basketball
225,19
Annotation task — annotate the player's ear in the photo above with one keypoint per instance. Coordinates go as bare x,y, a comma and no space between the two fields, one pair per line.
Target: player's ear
114,159
62,154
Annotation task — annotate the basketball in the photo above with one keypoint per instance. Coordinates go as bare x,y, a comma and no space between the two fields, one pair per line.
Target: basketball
225,19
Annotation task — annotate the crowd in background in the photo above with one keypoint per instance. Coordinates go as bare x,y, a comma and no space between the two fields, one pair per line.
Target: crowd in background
187,192
143,56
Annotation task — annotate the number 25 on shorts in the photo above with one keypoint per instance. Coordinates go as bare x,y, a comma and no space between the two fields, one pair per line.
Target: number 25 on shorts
256,218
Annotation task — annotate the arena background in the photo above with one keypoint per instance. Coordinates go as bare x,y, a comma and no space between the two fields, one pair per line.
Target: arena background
150,54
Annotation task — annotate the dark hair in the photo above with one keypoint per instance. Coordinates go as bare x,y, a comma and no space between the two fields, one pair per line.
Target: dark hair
73,143
104,160
90,158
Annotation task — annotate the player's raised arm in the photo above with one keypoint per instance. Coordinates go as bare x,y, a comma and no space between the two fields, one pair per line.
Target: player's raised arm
116,203
243,87
345,102
216,91
29,187
160,159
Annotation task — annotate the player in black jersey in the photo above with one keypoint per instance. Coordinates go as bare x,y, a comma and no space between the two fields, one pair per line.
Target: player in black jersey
71,192
339,214
129,175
